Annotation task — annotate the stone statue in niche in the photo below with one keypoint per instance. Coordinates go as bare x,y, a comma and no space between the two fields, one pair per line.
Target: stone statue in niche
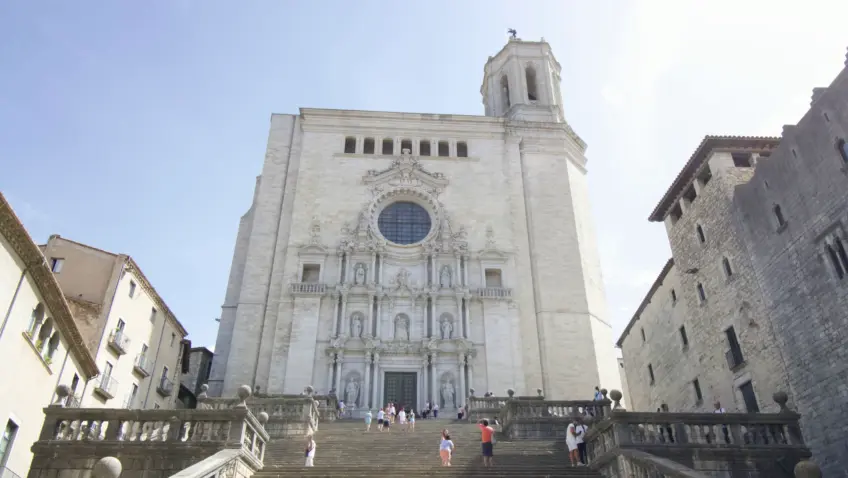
447,329
448,394
401,328
445,277
402,278
359,274
363,223
351,392
356,326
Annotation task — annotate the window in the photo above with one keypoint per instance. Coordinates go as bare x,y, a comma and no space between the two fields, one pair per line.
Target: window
208,371
651,373
120,326
734,355
530,75
842,147
6,442
462,149
493,278
56,265
131,398
311,273
673,297
700,231
643,334
164,375
705,175
834,261
404,223
690,195
725,264
702,296
144,349
74,383
36,319
153,315
778,215
52,347
368,146
406,144
683,337
388,147
505,92
749,397
173,339
107,373
699,397
350,145
132,288
444,148
424,147
676,213
741,160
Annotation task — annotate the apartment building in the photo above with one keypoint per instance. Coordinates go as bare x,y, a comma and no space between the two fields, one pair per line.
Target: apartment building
40,345
136,340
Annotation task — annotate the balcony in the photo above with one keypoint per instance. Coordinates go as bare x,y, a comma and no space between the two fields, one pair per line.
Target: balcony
500,293
734,359
308,288
119,342
165,387
73,401
107,387
141,366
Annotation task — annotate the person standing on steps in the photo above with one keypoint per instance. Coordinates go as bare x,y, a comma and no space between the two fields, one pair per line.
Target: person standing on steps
368,418
310,451
486,435
402,419
571,442
412,420
581,430
436,411
446,448
381,417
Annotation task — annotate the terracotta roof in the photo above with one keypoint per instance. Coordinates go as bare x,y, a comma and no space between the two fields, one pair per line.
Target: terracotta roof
708,144
647,300
19,239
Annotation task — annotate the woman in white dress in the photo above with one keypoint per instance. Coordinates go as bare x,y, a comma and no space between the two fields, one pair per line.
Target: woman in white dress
571,442
310,451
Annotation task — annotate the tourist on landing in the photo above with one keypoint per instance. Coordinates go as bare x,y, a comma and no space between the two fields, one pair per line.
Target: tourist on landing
402,418
571,436
392,412
411,420
341,408
581,429
381,417
446,448
460,413
426,410
487,434
368,418
436,411
310,451
720,409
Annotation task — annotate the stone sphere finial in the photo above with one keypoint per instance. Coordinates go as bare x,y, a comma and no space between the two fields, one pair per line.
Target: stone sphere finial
107,467
616,395
62,392
263,418
510,392
539,391
309,390
203,395
471,392
604,392
781,398
807,469
243,394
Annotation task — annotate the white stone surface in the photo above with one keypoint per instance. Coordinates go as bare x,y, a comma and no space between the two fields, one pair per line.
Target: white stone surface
518,203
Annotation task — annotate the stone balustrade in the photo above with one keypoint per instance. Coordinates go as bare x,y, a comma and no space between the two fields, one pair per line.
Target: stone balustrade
327,407
493,293
308,288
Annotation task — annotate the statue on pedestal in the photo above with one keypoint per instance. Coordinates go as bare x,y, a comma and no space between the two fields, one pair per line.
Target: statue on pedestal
448,394
351,395
356,326
359,274
445,277
447,329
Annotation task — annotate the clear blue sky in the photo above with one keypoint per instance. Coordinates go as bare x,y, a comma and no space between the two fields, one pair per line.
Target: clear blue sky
139,127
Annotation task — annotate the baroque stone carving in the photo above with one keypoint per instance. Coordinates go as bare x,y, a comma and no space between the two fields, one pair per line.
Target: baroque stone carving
356,325
445,277
351,390
448,393
359,274
315,231
490,238
402,327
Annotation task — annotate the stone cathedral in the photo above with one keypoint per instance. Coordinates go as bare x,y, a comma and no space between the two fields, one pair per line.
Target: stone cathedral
413,257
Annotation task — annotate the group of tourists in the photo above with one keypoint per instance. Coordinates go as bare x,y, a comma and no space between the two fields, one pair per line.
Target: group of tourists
388,415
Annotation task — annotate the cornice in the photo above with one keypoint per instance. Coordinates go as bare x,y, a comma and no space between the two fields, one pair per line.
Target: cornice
132,266
36,264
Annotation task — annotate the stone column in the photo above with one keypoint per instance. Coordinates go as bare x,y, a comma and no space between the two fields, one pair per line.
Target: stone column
345,327
365,398
339,363
433,395
433,279
432,314
460,321
346,268
340,255
375,395
456,279
467,306
470,374
374,266
370,313
331,366
460,393
336,321
379,315
465,271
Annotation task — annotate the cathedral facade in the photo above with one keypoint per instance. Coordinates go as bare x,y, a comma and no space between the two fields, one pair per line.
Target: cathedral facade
414,257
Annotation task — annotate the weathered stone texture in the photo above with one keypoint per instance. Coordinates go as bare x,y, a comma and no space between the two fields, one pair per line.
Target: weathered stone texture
806,300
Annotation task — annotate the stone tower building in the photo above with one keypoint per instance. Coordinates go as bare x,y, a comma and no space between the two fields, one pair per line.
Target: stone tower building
412,257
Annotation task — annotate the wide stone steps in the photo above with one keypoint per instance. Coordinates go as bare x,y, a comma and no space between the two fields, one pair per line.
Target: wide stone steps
344,448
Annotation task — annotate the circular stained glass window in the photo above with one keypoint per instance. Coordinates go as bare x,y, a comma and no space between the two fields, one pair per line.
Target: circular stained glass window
404,223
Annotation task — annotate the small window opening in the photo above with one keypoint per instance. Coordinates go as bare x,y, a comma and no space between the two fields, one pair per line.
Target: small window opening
56,265
741,160
444,148
673,296
462,149
350,145
493,278
690,195
842,146
530,74
643,334
835,262
406,144
734,355
388,147
153,315
794,153
840,250
311,273
132,288
651,373
701,237
778,214
749,397
675,213
505,91
701,294
725,264
826,117
705,176
699,397
424,147
765,154
368,146
683,337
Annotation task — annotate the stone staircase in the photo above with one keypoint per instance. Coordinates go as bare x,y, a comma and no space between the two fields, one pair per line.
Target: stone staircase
344,449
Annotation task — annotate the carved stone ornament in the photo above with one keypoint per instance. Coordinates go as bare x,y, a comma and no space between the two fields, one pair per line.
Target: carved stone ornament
315,231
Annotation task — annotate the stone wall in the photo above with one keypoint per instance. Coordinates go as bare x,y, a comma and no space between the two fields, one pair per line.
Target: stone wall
805,298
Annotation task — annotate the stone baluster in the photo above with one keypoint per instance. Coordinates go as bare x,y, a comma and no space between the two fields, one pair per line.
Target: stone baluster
433,394
339,364
375,397
367,380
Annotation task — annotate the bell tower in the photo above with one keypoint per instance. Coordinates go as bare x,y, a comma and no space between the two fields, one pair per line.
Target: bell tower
522,82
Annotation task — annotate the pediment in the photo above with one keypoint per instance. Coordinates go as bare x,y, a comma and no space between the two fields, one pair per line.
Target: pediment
406,170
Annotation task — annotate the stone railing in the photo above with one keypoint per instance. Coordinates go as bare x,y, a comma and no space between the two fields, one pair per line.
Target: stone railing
224,464
485,407
752,445
159,441
493,293
308,288
327,407
545,419
288,415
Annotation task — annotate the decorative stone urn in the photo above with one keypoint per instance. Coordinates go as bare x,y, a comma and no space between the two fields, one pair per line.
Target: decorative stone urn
510,392
471,392
539,392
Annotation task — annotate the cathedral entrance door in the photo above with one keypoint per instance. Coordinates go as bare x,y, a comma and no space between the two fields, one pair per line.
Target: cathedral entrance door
401,388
